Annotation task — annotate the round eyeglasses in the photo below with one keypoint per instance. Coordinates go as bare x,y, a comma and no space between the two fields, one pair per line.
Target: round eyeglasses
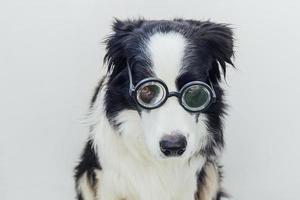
151,93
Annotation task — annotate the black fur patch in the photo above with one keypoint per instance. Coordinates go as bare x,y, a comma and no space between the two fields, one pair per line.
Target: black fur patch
88,164
215,115
221,194
97,90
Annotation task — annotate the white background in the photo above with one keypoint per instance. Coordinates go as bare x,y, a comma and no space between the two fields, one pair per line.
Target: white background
50,58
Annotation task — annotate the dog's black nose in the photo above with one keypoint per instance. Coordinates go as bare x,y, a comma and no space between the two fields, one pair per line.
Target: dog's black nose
173,145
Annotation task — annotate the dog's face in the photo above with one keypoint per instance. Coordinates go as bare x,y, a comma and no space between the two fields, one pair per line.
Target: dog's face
177,52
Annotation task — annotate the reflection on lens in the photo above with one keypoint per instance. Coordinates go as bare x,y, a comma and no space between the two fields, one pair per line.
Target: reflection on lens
196,97
151,94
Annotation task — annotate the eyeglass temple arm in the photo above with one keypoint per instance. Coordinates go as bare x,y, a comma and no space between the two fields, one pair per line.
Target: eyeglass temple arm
213,91
131,86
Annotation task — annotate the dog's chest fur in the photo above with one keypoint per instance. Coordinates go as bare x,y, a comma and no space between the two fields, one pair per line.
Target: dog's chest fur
137,178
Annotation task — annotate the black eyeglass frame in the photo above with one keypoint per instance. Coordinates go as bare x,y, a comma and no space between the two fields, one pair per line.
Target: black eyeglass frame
134,88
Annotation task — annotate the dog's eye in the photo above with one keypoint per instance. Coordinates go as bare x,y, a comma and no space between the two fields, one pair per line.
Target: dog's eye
151,94
196,96
147,93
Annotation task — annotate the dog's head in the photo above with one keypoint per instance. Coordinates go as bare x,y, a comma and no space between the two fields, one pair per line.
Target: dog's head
177,52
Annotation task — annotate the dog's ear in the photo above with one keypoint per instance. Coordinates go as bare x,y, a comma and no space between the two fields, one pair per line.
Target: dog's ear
218,40
116,54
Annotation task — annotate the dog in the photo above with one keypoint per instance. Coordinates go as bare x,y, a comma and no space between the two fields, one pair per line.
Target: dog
156,117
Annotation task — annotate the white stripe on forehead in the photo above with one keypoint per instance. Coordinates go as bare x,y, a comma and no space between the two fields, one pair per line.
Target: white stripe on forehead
166,52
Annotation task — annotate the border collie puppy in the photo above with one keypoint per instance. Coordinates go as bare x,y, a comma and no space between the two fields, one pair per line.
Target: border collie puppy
156,116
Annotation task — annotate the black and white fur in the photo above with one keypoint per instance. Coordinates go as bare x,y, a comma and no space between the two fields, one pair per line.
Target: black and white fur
122,159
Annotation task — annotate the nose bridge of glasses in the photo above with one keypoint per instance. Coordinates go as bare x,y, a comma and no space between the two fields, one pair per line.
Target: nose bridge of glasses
174,94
